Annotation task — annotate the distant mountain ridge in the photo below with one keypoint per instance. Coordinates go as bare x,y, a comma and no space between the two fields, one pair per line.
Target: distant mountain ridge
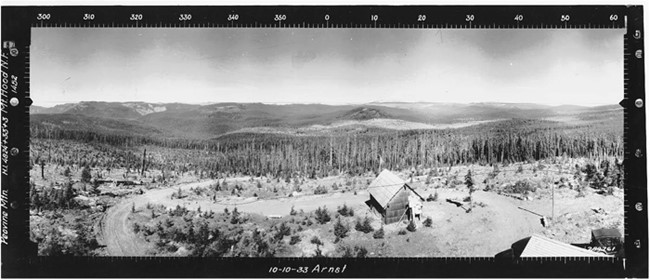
213,120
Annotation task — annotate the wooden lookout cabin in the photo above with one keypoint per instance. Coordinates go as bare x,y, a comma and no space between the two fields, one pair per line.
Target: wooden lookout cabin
392,197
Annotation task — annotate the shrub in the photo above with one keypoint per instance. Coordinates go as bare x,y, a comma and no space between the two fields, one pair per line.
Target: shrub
85,175
322,215
379,234
235,216
320,190
521,187
357,251
360,251
364,226
345,211
316,240
283,231
428,222
340,230
293,211
136,227
294,239
401,232
411,226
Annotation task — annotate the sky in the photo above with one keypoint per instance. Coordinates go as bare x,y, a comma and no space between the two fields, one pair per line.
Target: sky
330,66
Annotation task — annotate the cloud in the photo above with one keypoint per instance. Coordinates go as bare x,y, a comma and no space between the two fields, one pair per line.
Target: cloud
326,65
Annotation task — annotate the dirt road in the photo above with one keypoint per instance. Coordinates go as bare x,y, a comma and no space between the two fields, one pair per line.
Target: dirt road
122,241
119,237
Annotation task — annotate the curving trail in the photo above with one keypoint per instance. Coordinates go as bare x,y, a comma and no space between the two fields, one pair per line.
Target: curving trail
120,239
118,236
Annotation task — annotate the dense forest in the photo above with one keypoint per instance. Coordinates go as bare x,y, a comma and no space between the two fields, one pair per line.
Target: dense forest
353,153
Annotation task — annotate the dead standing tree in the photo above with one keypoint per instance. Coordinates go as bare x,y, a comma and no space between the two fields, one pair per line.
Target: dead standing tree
144,162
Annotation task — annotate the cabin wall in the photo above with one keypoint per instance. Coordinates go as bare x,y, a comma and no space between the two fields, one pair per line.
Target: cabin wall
374,204
397,207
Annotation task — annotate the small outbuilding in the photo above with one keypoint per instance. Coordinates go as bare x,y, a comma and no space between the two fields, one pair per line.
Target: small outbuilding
541,246
393,198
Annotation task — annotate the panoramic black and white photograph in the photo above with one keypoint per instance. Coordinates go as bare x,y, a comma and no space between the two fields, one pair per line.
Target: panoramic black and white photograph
306,142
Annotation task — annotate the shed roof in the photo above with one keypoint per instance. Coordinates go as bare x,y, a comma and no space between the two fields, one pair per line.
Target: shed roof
540,246
385,186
